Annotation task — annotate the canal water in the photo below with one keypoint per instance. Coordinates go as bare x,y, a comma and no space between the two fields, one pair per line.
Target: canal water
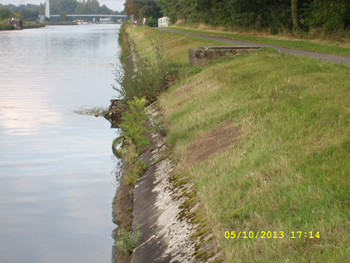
57,177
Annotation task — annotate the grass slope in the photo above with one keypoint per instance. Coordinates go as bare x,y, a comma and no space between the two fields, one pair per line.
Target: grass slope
290,169
175,46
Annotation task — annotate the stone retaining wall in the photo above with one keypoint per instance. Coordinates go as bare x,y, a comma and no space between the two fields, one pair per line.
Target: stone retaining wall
203,55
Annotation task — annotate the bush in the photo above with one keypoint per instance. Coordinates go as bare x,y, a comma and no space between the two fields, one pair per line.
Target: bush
134,123
141,76
135,133
127,240
151,22
6,27
329,16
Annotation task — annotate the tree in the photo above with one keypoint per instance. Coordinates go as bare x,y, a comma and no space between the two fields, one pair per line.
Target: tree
59,6
330,15
5,13
19,15
92,6
132,9
30,15
148,9
104,10
295,14
81,9
63,16
68,6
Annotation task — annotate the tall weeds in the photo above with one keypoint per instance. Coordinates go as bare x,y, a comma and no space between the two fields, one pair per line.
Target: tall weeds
140,75
135,133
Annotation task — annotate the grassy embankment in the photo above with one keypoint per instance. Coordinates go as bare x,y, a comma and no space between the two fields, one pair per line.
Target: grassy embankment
26,25
341,47
288,167
147,81
5,26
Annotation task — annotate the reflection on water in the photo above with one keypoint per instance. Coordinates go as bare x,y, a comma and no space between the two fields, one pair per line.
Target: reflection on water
56,180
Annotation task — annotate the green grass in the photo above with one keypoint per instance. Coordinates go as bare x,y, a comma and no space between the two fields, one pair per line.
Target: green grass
317,46
176,45
27,25
290,169
5,26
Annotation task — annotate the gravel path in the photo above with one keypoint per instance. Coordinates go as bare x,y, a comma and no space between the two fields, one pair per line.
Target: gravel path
297,52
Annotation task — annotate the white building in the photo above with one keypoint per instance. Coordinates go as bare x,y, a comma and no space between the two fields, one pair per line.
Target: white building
106,20
163,21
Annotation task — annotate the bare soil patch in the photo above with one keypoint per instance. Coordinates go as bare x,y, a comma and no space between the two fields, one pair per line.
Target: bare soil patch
213,142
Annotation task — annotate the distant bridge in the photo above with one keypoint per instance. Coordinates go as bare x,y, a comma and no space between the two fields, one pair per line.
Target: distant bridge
92,15
48,15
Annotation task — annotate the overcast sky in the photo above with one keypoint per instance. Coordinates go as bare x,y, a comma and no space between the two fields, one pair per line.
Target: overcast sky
115,5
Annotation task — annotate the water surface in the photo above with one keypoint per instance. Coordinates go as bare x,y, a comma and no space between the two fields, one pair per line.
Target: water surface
56,167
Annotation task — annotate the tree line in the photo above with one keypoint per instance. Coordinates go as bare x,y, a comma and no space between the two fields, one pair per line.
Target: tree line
138,9
75,7
277,15
27,12
30,12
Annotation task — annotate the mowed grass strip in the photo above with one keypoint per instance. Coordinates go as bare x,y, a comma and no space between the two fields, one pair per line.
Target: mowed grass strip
175,46
287,170
317,45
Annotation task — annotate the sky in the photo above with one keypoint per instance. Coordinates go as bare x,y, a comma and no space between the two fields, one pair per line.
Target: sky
115,5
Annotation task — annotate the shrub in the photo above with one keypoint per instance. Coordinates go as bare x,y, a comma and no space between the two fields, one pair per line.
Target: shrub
134,131
134,123
142,76
6,27
127,240
329,16
151,22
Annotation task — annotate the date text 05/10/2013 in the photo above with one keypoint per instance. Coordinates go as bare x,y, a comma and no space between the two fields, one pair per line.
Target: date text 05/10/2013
271,234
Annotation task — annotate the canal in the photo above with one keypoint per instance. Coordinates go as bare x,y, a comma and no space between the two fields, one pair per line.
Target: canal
57,170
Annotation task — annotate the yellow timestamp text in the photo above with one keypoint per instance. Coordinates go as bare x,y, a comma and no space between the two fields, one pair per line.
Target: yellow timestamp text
271,234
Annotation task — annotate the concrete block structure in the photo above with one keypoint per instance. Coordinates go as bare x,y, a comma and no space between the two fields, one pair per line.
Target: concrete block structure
205,54
17,23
